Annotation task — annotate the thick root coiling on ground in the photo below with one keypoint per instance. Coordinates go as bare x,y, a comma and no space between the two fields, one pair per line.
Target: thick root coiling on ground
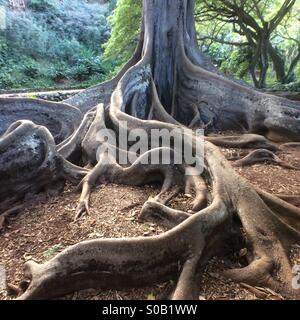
60,119
269,230
221,198
30,130
262,156
28,159
29,162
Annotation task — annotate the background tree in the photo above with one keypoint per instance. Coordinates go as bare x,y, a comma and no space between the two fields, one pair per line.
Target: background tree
125,24
287,48
256,22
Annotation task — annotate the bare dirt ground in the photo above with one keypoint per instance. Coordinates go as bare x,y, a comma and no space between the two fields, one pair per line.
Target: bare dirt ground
46,227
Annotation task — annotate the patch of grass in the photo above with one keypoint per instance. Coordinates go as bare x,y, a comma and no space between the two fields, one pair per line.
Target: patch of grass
51,252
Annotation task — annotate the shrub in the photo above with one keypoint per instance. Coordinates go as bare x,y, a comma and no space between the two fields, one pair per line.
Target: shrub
292,87
53,42
41,5
237,62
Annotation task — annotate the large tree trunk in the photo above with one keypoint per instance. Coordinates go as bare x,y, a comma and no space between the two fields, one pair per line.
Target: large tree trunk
168,83
189,88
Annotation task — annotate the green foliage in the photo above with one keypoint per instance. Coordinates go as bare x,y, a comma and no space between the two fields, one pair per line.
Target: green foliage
297,72
231,59
217,53
237,63
217,26
125,23
60,43
53,43
62,32
87,66
42,5
293,87
49,253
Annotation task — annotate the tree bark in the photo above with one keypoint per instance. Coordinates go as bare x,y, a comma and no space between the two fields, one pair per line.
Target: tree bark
279,66
278,63
290,77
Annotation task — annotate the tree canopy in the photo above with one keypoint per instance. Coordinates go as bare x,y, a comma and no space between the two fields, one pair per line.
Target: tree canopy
125,23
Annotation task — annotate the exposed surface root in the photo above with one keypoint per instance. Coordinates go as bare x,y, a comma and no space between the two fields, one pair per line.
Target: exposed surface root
162,215
8,213
293,200
293,145
285,211
246,141
261,156
60,119
268,263
29,161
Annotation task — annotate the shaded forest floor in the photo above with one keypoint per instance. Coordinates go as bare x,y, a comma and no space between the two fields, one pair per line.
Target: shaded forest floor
46,227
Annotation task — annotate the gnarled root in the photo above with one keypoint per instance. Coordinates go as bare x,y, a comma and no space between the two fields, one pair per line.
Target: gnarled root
60,119
125,262
291,145
119,263
139,173
30,151
293,200
6,214
29,162
162,215
262,156
246,141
